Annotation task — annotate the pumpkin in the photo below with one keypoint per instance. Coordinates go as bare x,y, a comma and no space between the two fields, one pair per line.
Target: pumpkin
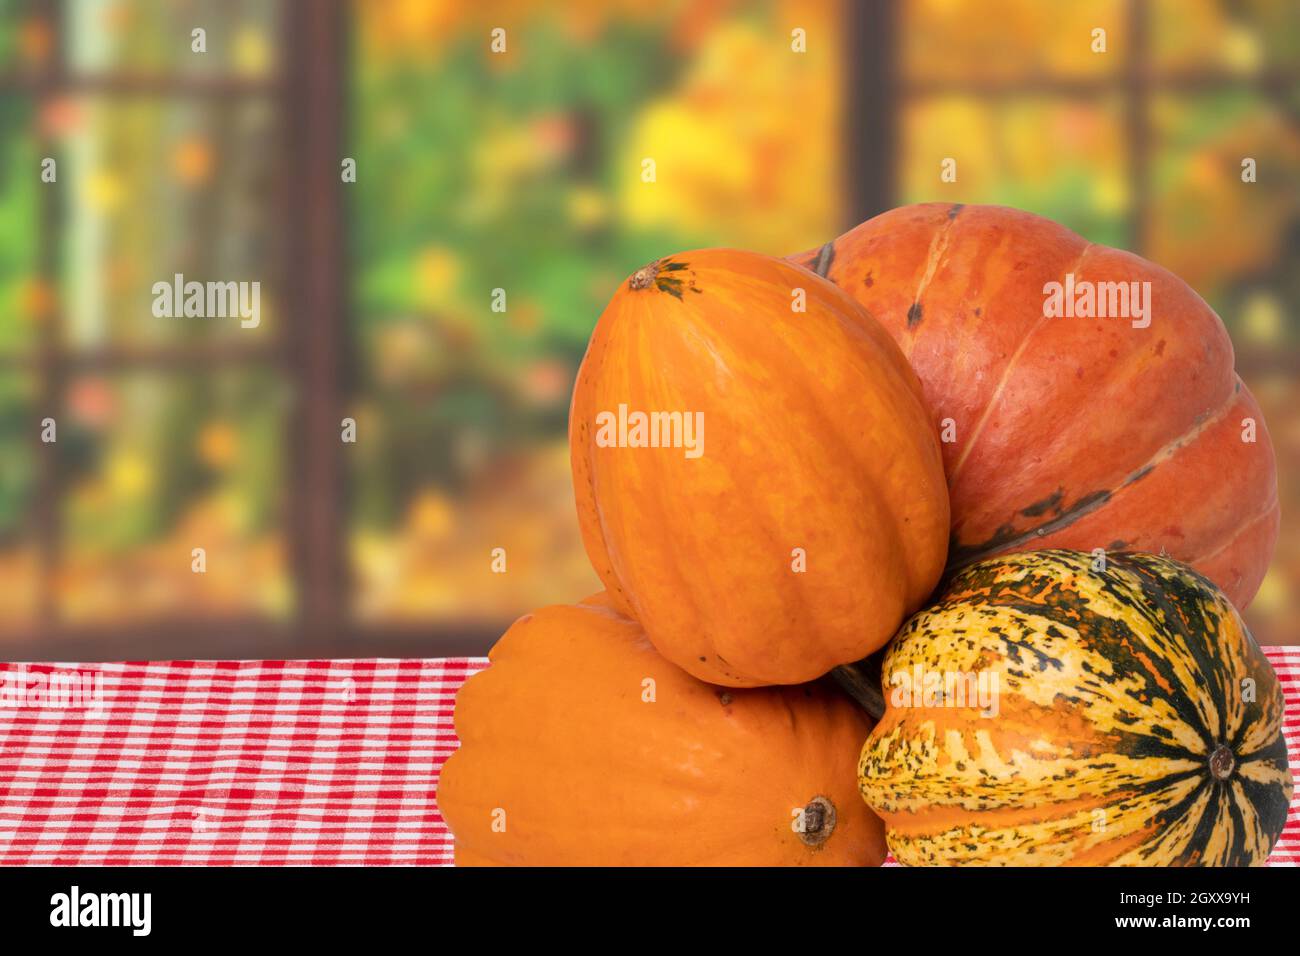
794,532
580,745
1121,716
1124,433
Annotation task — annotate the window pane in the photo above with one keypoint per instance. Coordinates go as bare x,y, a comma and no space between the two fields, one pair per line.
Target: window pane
1237,37
26,38
1231,240
157,465
1063,159
523,172
161,188
1274,615
1003,40
155,36
19,429
1238,245
24,299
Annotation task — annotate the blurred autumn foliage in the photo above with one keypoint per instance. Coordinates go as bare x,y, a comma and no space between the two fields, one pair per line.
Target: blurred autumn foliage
522,171
535,187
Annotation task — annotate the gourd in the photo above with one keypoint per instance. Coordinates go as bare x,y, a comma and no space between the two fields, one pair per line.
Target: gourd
1127,718
580,745
1128,432
757,481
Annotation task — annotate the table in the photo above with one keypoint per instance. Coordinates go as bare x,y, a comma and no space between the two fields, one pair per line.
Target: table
264,762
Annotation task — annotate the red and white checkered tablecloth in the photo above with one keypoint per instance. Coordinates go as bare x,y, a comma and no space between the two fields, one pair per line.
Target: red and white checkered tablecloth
262,762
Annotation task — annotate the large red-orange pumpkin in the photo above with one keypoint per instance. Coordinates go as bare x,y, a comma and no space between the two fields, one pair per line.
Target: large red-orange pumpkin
813,516
1070,432
580,745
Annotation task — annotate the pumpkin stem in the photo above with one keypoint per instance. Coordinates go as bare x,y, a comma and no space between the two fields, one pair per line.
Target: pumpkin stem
818,821
855,682
1222,762
644,277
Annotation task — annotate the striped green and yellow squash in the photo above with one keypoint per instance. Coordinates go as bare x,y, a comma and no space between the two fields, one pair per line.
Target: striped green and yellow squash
1053,709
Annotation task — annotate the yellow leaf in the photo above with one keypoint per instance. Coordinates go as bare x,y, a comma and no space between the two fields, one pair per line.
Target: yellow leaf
104,191
128,474
252,53
437,270
431,515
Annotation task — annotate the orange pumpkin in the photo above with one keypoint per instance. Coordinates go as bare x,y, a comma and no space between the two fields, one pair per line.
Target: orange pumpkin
580,745
1130,432
808,518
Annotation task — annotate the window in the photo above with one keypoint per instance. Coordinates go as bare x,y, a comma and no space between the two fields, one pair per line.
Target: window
440,303
518,180
520,172
129,159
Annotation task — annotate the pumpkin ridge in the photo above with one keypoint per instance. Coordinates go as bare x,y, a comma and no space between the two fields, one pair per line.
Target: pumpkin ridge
1271,803
938,245
1088,503
1162,455
648,381
1002,382
1171,839
1134,830
1274,752
940,818
1106,852
1174,602
873,482
1144,747
1216,832
916,591
1172,821
1039,596
719,642
851,330
1253,838
1181,697
1241,829
1236,536
1093,623
1006,536
1150,602
1198,426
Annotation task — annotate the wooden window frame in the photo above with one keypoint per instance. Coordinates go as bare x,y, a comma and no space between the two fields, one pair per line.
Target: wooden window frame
312,355
878,91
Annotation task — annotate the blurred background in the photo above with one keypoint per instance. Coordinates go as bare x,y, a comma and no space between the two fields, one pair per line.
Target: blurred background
520,171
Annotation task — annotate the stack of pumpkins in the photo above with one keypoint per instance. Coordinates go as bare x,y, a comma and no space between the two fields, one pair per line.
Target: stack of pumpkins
777,462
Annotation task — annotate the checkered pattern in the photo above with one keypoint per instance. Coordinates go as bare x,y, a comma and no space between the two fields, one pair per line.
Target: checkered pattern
233,762
266,763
